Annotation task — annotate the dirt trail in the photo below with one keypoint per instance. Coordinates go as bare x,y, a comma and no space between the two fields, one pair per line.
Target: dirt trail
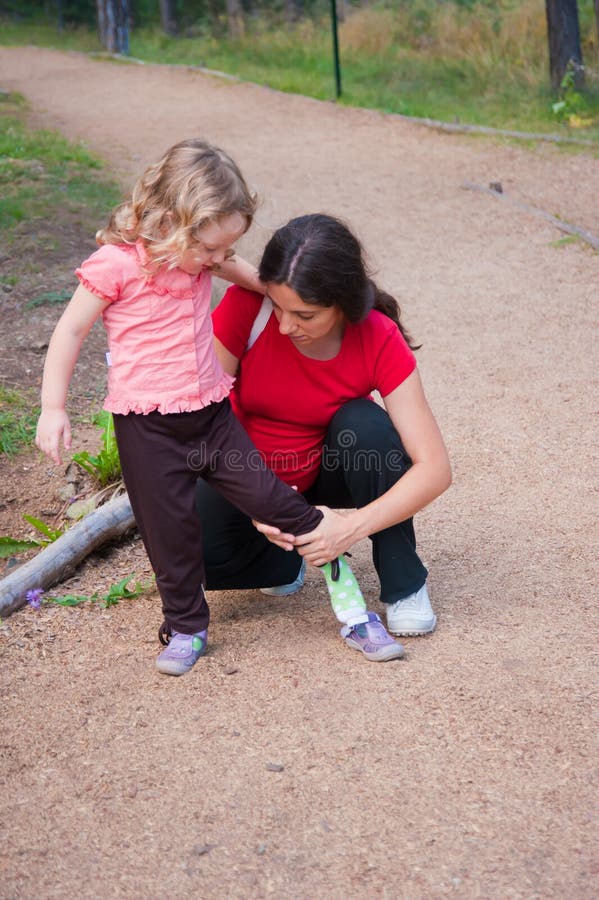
467,770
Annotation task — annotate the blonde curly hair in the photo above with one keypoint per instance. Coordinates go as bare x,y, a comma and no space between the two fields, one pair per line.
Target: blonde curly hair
192,184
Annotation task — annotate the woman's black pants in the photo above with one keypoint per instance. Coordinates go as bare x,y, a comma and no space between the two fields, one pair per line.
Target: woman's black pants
362,458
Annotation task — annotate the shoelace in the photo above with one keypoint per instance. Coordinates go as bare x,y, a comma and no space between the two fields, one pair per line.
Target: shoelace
335,568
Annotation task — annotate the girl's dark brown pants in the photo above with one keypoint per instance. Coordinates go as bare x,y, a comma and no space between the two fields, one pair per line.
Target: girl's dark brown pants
162,457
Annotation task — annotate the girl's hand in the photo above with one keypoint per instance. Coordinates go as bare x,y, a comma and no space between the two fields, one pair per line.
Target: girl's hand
275,535
52,427
331,538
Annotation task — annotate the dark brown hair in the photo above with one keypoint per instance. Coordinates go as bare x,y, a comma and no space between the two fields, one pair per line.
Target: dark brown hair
319,258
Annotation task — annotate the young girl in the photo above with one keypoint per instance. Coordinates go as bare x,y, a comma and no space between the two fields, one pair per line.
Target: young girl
150,281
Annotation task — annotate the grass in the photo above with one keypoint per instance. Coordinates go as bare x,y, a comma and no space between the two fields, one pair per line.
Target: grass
51,191
41,172
479,63
18,419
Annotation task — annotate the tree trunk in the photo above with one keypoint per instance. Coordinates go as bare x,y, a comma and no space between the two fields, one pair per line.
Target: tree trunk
60,558
235,21
293,11
563,32
168,17
113,25
597,16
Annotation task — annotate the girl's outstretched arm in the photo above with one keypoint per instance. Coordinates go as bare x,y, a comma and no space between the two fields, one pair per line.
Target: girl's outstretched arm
73,327
240,272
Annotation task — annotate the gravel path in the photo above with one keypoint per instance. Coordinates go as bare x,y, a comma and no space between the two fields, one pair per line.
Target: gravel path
284,765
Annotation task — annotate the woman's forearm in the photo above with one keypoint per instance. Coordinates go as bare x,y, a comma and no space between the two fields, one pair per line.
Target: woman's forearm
420,485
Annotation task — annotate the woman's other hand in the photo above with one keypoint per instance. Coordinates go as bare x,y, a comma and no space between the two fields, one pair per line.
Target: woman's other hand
333,536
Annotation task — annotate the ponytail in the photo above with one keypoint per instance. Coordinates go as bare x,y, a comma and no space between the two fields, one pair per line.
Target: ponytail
389,306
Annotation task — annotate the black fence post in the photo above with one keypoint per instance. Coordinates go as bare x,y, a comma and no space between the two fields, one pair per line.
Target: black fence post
336,49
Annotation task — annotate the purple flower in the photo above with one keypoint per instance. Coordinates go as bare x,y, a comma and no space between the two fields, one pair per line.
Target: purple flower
34,598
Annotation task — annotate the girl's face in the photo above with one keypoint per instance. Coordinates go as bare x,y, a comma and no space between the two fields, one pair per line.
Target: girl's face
306,324
211,243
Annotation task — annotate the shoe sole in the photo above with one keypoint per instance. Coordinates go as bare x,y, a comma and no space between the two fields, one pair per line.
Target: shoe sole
382,655
286,590
412,632
168,669
174,667
280,592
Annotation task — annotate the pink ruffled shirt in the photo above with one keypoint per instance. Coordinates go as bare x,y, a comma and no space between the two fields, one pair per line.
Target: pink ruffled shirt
160,339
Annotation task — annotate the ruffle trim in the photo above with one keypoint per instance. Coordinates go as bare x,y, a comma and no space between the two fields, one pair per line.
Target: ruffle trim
92,288
171,405
165,281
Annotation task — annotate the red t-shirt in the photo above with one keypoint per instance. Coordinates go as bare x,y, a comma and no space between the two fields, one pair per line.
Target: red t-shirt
285,400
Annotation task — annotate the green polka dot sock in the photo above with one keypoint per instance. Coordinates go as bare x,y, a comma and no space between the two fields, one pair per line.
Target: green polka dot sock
346,597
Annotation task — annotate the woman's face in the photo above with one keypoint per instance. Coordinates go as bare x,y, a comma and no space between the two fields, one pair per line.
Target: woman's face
304,323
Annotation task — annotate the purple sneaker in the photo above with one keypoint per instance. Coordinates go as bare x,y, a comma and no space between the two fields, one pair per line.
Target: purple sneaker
368,634
182,653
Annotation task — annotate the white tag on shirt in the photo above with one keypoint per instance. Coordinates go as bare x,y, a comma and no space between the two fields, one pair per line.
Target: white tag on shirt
108,358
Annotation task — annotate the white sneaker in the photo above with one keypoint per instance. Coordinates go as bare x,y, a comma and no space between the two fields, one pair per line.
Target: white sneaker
283,590
413,615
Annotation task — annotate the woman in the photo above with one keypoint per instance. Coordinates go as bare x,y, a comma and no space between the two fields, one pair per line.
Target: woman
304,380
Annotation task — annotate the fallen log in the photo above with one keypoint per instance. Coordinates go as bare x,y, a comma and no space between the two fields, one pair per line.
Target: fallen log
60,558
459,128
566,227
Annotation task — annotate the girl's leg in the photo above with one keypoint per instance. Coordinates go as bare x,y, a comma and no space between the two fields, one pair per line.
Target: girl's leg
234,467
229,462
161,488
236,556
265,497
362,458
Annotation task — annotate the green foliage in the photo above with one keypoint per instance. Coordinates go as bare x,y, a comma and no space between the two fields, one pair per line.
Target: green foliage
106,466
13,546
116,592
49,298
41,172
10,546
477,61
51,534
571,107
18,419
60,13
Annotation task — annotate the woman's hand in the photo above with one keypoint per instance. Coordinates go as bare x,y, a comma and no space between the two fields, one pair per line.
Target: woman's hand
333,536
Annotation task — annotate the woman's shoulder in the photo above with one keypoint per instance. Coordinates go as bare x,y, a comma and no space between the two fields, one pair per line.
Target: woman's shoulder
377,327
241,299
234,316
238,308
381,337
